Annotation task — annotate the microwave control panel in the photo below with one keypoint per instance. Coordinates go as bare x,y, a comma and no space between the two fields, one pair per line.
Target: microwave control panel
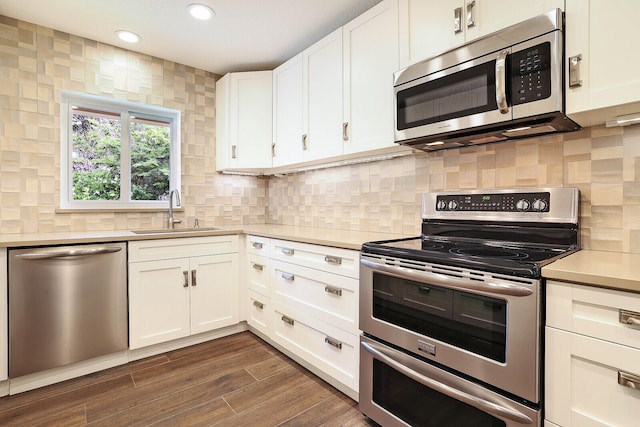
512,202
531,74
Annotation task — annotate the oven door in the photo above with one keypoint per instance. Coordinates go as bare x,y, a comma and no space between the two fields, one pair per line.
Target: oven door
397,389
484,325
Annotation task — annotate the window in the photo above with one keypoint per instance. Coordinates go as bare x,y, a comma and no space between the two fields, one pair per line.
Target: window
117,154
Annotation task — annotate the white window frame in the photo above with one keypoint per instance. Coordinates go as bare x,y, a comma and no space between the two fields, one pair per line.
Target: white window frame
72,100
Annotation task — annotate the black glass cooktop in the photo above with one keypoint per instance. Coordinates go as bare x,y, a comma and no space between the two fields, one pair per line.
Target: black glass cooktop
511,258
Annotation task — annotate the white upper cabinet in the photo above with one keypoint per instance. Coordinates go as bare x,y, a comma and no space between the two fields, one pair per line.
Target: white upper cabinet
600,34
370,57
243,120
430,28
287,112
322,98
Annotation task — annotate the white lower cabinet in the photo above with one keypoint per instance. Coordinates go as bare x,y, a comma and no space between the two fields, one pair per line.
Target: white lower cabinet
592,357
303,298
181,287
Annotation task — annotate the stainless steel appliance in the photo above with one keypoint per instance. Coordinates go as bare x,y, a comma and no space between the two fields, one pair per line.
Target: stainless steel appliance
506,85
452,320
66,304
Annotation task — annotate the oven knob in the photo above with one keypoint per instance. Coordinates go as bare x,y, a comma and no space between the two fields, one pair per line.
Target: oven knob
522,205
453,205
442,205
539,205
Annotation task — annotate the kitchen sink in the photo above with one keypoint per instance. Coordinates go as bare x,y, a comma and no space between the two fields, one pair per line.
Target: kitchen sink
175,230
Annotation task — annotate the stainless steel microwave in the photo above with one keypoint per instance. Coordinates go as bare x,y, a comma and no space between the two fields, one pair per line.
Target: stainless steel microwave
506,85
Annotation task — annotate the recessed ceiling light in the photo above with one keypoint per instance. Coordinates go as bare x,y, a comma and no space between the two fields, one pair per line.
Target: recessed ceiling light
200,11
128,36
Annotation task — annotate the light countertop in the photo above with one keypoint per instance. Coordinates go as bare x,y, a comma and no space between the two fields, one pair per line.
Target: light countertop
615,270
320,236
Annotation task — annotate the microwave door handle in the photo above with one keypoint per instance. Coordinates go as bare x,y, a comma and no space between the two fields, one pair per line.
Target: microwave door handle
501,82
475,401
448,282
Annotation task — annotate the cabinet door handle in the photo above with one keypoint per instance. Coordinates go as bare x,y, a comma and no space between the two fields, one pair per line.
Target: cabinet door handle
185,273
258,267
331,259
457,20
345,131
304,142
258,305
629,317
333,342
470,21
288,276
273,150
233,151
287,251
629,380
257,245
289,321
332,290
193,278
574,71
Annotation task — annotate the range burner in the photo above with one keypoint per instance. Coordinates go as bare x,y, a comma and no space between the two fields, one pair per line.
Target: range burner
489,252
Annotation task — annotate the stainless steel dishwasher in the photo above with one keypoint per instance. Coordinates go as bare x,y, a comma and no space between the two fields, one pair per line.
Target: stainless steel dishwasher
66,304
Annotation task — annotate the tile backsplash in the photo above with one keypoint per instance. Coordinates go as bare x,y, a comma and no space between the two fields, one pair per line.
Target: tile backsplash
37,63
385,196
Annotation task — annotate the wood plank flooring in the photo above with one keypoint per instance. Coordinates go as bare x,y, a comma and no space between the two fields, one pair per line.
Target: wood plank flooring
238,380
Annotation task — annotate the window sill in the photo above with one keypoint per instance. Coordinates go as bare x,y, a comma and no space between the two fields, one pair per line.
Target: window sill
116,210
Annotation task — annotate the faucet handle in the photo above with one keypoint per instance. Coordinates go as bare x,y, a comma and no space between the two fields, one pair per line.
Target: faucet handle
196,223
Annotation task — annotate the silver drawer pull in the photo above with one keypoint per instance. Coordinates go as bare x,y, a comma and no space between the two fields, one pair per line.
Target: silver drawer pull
288,276
333,342
258,267
257,245
185,273
332,290
629,317
258,305
288,251
289,321
629,380
336,260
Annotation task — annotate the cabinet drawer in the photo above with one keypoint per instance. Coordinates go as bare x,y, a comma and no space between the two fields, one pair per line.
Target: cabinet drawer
328,348
581,381
595,312
329,297
149,250
258,245
333,260
259,313
258,274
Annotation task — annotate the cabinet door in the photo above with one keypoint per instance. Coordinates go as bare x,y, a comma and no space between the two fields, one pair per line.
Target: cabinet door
602,33
158,301
214,292
322,97
581,381
244,121
494,15
370,57
287,112
427,28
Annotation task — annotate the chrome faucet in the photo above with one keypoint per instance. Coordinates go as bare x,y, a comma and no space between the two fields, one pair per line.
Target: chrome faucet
172,221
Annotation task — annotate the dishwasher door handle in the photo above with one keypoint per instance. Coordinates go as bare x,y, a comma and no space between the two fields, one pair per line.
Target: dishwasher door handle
69,253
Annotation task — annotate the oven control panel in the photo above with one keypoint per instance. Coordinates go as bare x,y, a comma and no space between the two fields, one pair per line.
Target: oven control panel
511,202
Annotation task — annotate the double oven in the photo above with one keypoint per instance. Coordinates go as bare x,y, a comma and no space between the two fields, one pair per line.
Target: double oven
452,320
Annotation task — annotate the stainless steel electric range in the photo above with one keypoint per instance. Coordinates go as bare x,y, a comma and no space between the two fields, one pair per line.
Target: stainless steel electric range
452,320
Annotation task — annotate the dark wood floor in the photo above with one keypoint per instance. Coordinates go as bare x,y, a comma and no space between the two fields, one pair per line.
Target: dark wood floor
238,380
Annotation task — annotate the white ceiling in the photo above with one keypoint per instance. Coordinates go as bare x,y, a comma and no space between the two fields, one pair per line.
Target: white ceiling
244,35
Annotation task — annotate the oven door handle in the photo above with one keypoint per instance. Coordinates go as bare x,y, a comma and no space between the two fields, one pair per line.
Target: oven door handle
449,282
475,401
